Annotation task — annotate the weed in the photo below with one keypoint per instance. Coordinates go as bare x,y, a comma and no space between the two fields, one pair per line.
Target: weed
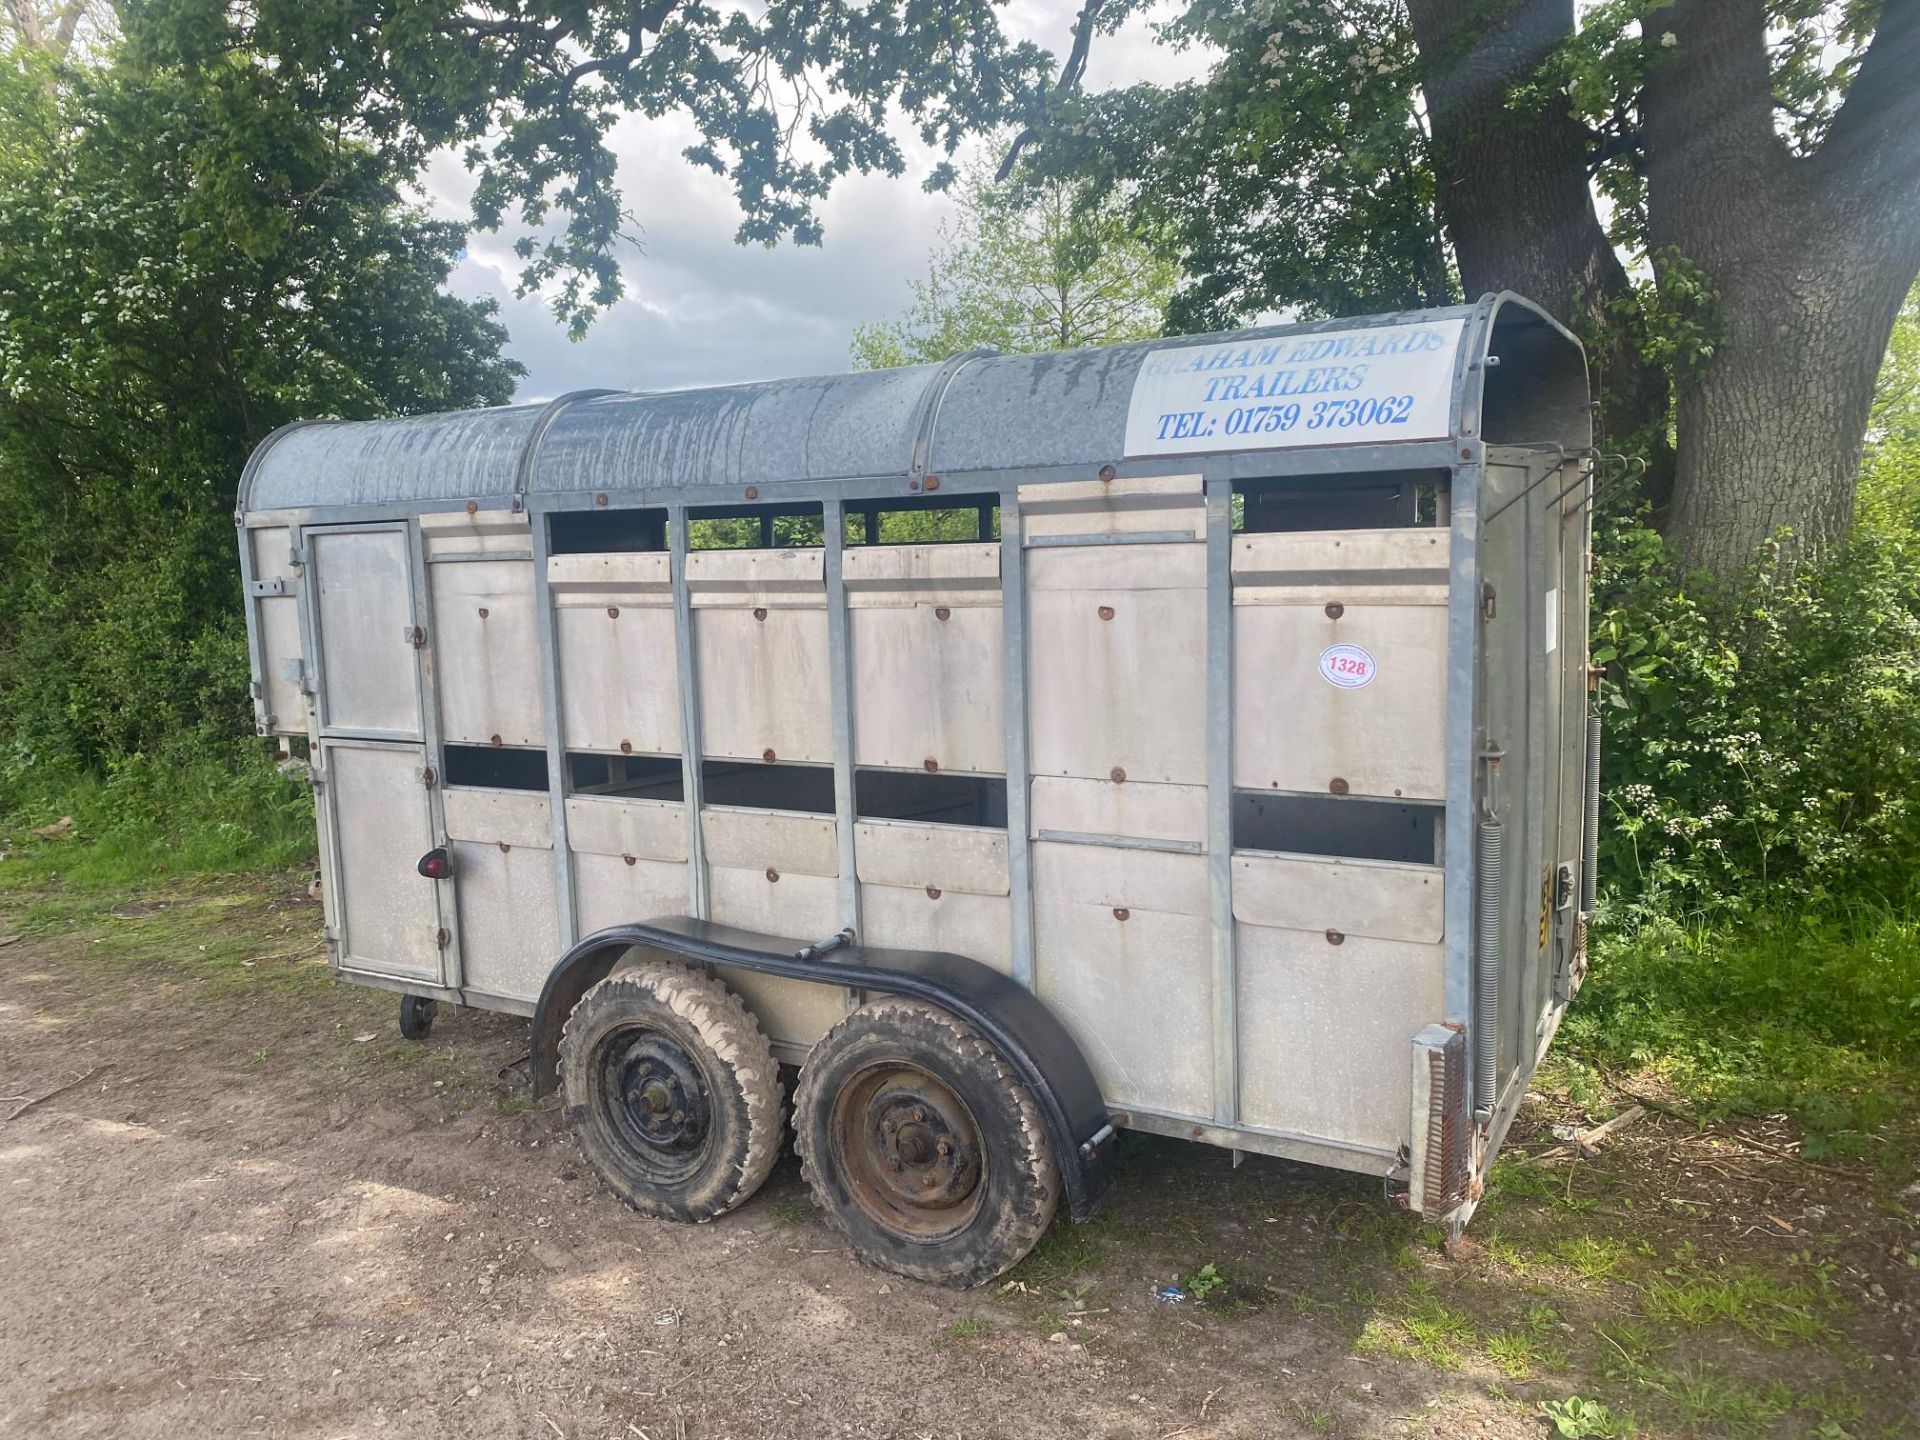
1064,1251
1438,1333
1380,1336
511,1105
1204,1281
1522,1349
968,1327
1312,1416
1576,1419
1594,1258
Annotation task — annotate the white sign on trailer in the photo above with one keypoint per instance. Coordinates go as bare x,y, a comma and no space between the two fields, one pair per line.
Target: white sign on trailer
1330,387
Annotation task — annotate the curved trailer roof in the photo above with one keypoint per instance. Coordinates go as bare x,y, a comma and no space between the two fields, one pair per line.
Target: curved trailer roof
976,413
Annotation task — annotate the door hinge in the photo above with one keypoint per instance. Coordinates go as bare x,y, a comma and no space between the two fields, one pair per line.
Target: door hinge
1489,601
316,776
429,777
442,939
260,589
414,635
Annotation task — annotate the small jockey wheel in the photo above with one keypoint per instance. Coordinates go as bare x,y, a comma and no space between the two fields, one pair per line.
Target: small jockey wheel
416,1016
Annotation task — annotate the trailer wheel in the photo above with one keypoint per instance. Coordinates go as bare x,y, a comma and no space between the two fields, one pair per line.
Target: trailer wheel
922,1146
672,1091
416,1016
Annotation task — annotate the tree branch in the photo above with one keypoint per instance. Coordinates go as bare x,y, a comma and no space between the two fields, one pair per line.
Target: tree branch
1872,136
1070,75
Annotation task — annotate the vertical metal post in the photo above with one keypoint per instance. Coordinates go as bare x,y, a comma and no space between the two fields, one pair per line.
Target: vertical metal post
546,630
1590,815
840,681
1013,632
1226,1024
319,751
1463,738
452,972
256,652
690,747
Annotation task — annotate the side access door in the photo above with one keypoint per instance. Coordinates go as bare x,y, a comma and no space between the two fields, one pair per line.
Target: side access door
376,786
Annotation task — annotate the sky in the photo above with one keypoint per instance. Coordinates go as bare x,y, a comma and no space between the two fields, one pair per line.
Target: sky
702,310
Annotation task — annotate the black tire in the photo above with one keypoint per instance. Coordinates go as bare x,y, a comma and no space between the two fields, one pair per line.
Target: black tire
416,1016
922,1146
672,1091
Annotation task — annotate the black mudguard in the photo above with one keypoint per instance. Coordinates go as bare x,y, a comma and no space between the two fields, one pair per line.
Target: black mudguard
1025,1033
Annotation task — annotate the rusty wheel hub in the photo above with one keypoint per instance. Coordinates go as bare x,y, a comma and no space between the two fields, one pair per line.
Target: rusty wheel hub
910,1151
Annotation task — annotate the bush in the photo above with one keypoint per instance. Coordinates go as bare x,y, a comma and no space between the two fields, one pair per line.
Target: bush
192,809
1763,739
1816,1018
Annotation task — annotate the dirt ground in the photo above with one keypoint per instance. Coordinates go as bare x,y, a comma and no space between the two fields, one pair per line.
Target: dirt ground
259,1212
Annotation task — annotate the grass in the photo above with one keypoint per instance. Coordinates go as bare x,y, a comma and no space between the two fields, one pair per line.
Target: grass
968,1327
1812,1018
1772,1310
189,814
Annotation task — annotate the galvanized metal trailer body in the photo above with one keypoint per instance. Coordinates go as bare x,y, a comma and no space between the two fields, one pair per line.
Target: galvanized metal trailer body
1254,747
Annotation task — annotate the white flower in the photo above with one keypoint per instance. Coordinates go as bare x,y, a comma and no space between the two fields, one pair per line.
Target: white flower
1668,40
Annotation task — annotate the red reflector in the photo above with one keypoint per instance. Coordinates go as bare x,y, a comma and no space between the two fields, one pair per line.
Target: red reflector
435,865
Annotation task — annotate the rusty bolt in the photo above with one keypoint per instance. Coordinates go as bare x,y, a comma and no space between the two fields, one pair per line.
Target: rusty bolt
1337,785
753,492
1106,612
941,612
613,612
631,859
889,1125
933,892
919,1115
944,1145
1121,912
1117,775
1335,610
773,876
601,498
932,482
931,1180
473,507
930,765
893,1163
759,612
1465,453
483,612
1334,937
1106,473
504,846
626,747
679,1117
913,484
495,739
767,755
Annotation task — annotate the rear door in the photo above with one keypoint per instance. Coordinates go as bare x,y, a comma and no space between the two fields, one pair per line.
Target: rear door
376,790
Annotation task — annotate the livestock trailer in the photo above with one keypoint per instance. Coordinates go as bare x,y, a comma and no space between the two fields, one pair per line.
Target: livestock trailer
1188,737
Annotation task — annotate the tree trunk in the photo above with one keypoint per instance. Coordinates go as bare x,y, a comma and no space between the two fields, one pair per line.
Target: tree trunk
1515,195
1809,256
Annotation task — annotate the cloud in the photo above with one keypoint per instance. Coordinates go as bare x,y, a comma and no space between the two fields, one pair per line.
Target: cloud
703,310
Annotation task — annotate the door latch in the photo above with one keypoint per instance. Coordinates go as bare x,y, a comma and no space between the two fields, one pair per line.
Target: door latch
414,635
